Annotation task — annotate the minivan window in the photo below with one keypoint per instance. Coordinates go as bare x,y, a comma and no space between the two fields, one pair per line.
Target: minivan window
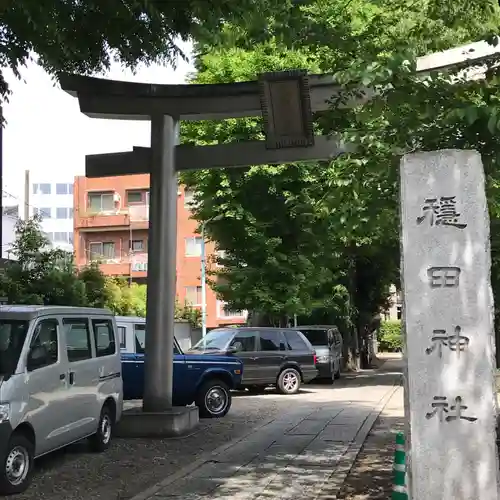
122,333
78,343
104,337
45,336
294,342
270,340
12,338
140,339
316,337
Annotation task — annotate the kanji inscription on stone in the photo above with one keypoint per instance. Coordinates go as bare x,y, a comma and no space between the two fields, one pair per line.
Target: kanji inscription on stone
444,277
441,211
454,341
446,412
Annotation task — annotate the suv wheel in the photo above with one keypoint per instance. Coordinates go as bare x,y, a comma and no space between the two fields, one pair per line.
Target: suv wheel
213,399
17,466
289,381
101,440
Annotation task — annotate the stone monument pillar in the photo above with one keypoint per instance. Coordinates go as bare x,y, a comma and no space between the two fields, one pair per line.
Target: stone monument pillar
448,321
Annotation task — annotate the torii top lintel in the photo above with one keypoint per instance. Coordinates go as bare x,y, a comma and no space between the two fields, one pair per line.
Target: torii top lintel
103,98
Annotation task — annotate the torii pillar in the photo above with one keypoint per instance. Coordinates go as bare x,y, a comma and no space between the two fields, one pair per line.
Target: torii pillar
286,101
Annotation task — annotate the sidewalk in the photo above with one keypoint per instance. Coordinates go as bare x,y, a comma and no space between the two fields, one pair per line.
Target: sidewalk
307,452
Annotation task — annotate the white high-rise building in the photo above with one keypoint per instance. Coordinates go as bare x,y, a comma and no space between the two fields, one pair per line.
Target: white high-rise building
53,200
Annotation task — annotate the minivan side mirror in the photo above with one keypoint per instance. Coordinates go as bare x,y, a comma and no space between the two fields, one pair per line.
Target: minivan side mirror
37,357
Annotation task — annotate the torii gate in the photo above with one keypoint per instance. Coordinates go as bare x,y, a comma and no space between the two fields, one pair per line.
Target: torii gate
286,100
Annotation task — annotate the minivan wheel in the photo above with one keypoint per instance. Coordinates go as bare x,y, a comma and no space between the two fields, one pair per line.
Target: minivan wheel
289,381
101,440
213,399
17,466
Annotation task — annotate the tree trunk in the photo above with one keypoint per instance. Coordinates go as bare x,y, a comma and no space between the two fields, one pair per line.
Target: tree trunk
351,346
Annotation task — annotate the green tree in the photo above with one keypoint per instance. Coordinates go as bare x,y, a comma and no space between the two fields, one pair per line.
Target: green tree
39,275
84,37
291,233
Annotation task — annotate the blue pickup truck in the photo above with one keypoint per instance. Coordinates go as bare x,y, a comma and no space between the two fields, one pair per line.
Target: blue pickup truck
204,380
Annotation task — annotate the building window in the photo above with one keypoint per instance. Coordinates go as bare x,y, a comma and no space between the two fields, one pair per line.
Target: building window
41,188
225,312
100,202
135,197
62,213
104,250
220,254
61,237
193,295
193,246
70,188
45,213
49,236
62,188
70,213
137,245
189,198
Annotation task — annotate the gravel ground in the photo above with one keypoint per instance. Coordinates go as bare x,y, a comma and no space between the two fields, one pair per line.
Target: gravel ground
371,475
132,465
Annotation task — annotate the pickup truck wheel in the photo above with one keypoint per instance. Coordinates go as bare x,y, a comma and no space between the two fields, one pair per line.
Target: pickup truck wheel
213,399
17,470
289,381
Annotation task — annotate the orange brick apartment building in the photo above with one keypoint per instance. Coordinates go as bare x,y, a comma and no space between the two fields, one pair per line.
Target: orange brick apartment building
111,220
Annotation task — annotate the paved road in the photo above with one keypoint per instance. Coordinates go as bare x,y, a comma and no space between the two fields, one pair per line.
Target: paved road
130,466
305,453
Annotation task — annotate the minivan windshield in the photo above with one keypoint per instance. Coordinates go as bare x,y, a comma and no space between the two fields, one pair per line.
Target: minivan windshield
12,336
216,340
316,337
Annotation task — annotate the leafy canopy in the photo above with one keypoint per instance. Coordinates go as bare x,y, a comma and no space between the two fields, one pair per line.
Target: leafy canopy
85,36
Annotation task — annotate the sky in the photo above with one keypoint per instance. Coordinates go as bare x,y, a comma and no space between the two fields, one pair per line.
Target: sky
47,134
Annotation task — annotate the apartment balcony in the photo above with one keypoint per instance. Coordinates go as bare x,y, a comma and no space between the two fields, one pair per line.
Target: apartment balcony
132,217
135,265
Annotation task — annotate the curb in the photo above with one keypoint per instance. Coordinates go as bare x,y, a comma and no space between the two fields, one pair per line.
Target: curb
333,485
344,467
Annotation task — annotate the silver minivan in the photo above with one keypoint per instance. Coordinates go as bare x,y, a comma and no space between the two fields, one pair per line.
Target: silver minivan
60,382
328,344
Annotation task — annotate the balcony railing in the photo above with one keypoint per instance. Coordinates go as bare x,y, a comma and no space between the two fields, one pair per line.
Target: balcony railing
134,214
135,262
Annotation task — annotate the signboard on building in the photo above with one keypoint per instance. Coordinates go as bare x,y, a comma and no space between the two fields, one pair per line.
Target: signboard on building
140,267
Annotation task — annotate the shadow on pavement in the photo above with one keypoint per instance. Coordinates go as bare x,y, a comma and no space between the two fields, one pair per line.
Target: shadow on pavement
371,476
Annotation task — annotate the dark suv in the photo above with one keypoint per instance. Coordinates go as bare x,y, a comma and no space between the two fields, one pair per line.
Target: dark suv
271,356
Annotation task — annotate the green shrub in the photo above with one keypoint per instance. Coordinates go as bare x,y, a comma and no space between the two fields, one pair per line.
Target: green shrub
389,336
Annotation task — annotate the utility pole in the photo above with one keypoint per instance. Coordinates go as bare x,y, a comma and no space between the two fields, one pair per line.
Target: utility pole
203,284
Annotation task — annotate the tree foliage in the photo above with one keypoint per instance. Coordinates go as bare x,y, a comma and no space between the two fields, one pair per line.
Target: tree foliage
84,37
322,237
43,275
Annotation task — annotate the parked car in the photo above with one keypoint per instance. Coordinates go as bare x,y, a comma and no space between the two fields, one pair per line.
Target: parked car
60,382
206,382
327,342
282,357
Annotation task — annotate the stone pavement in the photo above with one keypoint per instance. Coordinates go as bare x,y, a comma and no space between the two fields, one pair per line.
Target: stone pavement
305,453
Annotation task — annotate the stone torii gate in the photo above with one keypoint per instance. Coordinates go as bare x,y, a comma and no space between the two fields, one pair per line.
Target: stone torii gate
286,101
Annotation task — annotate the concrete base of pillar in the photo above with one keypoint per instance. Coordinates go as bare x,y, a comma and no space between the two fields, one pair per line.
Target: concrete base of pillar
178,421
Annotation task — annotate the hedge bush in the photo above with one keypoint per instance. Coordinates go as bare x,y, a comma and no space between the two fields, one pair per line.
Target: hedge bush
389,336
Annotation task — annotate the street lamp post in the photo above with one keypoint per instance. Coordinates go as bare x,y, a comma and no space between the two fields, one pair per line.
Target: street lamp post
203,283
